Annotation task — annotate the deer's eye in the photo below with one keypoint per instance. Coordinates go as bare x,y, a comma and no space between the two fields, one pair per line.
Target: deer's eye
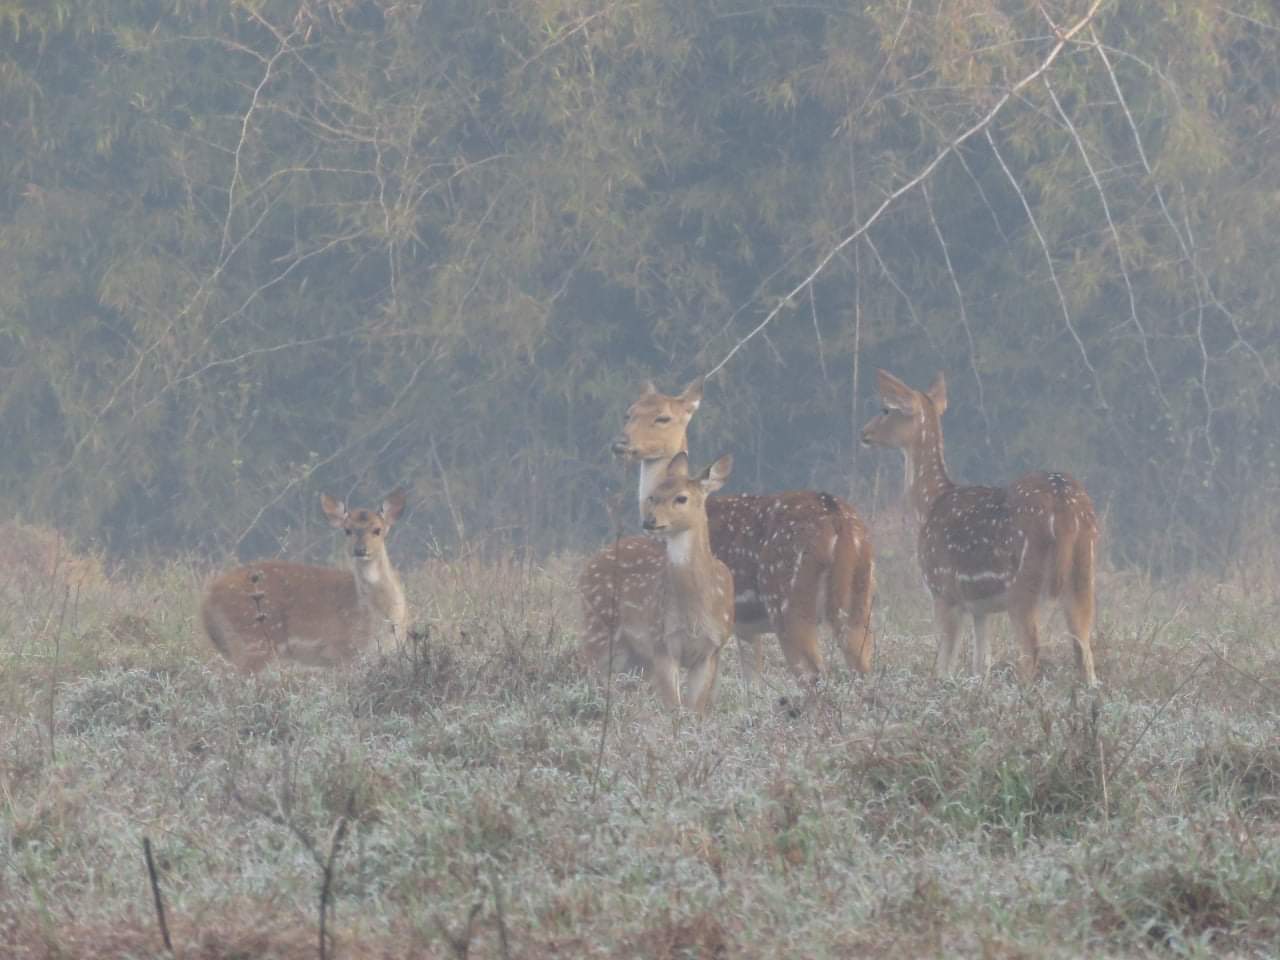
682,499
347,531
377,531
884,411
662,419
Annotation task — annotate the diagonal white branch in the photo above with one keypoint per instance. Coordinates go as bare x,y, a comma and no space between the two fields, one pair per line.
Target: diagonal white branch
1063,38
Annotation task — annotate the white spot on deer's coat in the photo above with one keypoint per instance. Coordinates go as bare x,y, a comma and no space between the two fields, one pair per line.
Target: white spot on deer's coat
981,575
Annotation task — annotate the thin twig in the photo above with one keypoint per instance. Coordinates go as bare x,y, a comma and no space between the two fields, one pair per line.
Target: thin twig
1053,273
1115,237
501,911
326,886
155,894
1095,722
461,945
1124,757
964,314
608,683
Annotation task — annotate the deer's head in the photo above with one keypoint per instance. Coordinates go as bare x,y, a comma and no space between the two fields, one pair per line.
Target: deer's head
366,530
678,503
904,413
656,424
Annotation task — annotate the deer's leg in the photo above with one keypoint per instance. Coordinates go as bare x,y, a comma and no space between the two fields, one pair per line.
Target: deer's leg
858,647
849,595
799,636
666,679
852,630
794,609
948,617
701,682
1025,597
1077,608
1024,615
981,646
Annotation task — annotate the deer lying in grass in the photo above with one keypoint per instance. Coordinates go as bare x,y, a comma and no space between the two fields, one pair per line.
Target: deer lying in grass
671,608
990,549
799,559
313,615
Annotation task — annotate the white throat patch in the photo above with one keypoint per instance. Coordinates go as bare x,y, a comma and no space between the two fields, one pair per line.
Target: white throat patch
680,548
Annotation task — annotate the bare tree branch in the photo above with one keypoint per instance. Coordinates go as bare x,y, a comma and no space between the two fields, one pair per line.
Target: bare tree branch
1053,273
1115,236
1064,37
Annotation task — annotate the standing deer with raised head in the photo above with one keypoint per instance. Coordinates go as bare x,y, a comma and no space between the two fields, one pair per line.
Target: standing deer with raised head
672,608
989,549
314,615
799,559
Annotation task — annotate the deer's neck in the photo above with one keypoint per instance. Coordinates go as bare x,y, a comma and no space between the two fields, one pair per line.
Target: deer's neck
926,470
380,589
652,473
690,567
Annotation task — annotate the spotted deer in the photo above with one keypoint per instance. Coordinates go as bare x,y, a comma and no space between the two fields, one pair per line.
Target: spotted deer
669,608
319,616
799,559
989,549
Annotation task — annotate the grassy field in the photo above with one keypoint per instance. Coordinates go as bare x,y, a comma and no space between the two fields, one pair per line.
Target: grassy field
458,798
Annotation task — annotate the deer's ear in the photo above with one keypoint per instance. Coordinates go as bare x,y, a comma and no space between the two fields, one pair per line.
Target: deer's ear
895,394
648,388
335,510
938,393
393,506
713,478
679,466
691,396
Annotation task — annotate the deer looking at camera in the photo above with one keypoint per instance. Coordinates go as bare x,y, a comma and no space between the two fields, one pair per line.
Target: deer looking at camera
319,616
799,559
989,549
671,608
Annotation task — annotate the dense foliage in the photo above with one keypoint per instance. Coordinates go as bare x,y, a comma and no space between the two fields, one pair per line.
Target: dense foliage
257,249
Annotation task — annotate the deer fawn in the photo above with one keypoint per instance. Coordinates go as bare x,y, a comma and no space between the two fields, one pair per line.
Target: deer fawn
798,559
314,615
670,608
988,549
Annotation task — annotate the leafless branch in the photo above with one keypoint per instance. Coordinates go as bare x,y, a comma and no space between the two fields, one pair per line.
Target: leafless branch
1115,237
964,316
244,136
1053,273
1062,40
156,898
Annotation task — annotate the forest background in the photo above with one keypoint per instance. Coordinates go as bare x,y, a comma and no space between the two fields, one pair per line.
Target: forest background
254,250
